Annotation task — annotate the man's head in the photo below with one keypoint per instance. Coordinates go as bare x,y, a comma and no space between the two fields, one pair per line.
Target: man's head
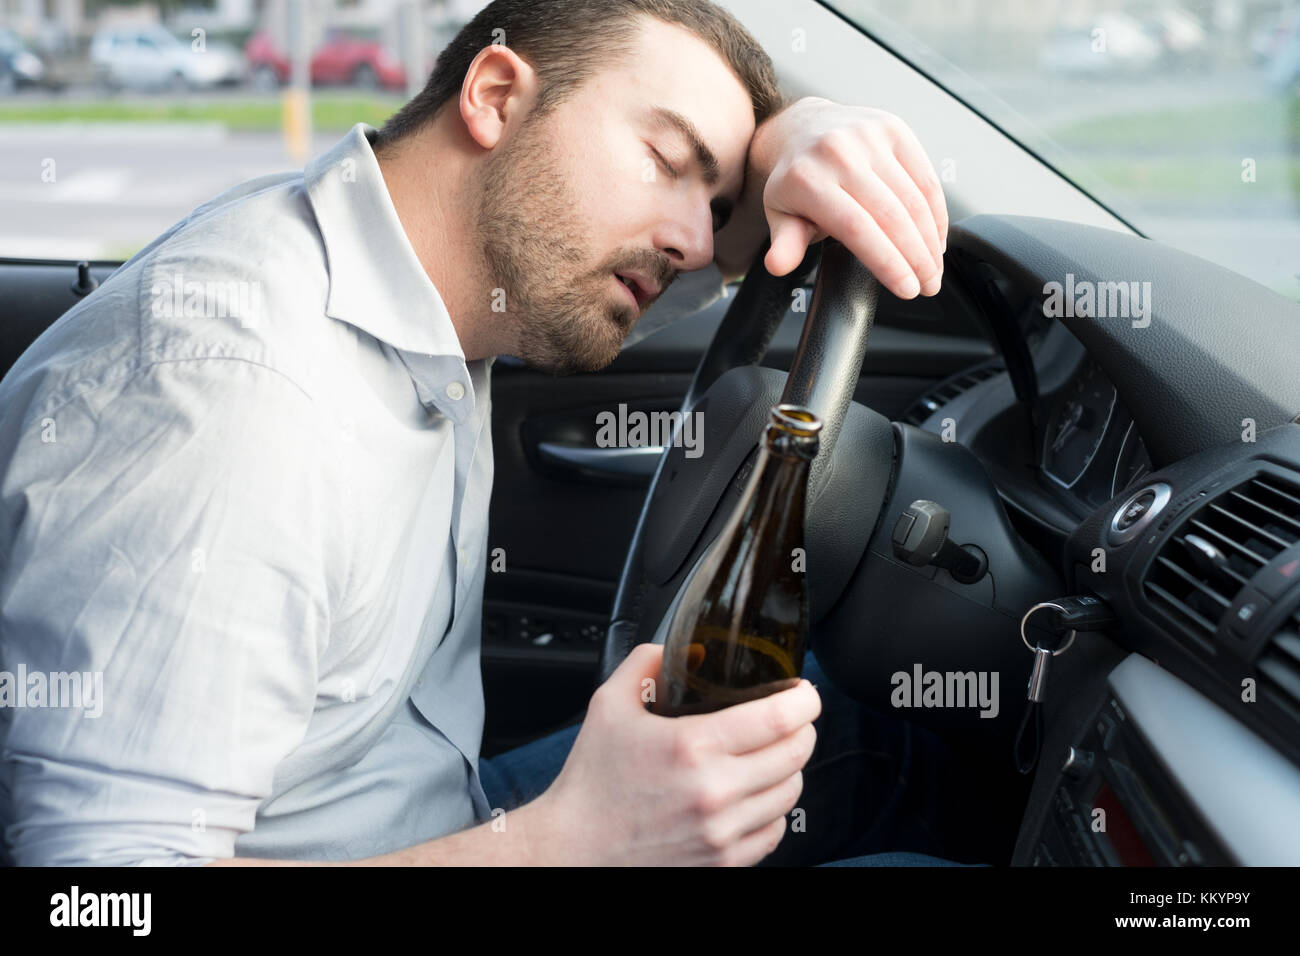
599,138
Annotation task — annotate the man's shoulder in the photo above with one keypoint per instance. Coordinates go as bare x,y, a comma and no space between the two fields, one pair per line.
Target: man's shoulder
247,271
252,253
242,277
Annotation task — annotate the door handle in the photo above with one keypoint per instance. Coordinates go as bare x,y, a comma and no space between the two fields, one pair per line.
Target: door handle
620,462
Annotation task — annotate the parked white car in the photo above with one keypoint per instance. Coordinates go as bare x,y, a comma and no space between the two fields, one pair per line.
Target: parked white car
152,58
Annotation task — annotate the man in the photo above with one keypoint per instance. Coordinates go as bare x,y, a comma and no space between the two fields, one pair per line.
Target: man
246,481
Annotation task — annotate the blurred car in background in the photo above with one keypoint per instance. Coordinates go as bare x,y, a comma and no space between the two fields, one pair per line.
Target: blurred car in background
1182,38
343,58
1273,34
21,66
1115,44
150,57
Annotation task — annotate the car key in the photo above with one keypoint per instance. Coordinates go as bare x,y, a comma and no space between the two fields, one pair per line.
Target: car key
1029,736
1081,613
1038,676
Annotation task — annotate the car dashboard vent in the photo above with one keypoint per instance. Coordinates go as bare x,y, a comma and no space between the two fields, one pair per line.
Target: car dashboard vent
1213,554
1279,667
947,390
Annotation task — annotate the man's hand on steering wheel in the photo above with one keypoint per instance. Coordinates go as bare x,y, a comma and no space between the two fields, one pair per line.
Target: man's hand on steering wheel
856,174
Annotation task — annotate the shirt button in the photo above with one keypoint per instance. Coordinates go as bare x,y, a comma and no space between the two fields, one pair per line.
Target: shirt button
455,391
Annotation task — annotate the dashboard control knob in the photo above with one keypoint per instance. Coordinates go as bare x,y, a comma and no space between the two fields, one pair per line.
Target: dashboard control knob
1208,559
1136,513
1078,764
1136,509
921,538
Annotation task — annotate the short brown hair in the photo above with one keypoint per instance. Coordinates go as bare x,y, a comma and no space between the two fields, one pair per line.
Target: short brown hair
566,41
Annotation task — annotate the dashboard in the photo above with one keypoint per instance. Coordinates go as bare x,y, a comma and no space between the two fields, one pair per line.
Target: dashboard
1088,449
1159,469
1057,460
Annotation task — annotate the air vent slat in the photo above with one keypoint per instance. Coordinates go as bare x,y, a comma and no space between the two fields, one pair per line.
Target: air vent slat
1288,642
1202,526
1241,579
1243,529
1215,506
1179,606
948,390
1195,582
1292,522
1295,501
1281,674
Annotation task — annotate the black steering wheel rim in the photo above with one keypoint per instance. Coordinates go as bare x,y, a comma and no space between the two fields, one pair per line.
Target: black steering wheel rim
823,377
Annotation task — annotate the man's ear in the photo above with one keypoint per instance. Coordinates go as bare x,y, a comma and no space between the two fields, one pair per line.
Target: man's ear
499,87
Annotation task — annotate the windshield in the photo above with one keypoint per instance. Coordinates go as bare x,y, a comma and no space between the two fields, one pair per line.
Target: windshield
1182,119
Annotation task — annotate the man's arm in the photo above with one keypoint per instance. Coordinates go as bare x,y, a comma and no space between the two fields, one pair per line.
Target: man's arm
859,175
520,842
166,542
639,789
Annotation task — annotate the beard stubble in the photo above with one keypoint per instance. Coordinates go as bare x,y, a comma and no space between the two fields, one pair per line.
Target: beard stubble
563,319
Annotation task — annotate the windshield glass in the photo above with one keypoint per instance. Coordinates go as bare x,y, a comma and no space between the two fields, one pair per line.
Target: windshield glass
1183,119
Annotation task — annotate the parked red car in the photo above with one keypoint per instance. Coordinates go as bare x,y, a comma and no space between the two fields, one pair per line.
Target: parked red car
342,58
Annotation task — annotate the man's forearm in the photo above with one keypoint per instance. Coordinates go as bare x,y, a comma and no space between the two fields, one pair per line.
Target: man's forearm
516,838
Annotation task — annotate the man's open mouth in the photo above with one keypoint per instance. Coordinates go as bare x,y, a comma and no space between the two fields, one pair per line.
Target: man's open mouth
642,289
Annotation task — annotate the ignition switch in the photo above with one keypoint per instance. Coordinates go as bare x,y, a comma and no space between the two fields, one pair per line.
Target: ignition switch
921,539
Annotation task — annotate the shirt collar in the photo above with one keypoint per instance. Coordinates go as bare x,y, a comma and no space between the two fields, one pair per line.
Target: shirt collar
376,280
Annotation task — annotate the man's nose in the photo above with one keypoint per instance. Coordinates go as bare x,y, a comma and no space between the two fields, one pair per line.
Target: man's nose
687,238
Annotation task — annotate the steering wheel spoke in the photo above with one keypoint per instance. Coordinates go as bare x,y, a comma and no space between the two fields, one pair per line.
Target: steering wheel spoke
689,498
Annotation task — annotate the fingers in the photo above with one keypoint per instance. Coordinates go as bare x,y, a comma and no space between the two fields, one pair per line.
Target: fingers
623,687
757,810
759,843
863,178
759,723
902,214
791,237
768,766
862,236
916,208
921,171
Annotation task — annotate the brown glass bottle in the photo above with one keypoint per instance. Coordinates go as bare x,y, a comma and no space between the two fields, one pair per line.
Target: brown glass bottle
740,629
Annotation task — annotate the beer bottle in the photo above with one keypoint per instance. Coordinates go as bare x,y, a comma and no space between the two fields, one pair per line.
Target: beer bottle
741,627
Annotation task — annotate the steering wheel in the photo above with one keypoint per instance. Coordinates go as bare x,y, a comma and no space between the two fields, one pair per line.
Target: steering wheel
690,498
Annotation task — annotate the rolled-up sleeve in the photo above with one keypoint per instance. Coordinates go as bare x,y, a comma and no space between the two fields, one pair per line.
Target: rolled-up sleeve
164,537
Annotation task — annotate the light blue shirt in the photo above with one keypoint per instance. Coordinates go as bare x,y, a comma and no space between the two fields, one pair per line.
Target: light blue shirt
244,491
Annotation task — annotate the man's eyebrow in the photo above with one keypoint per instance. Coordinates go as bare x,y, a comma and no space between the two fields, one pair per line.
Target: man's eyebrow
703,155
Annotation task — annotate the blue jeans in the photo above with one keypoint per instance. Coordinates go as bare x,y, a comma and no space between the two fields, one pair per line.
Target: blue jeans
869,794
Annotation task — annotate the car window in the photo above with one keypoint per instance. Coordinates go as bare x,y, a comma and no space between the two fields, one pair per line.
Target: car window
1182,119
124,136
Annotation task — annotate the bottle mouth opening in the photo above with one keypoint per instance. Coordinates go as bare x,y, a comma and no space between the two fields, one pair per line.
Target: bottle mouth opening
796,420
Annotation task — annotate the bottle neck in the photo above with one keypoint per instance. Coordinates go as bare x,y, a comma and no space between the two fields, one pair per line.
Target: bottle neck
784,446
779,484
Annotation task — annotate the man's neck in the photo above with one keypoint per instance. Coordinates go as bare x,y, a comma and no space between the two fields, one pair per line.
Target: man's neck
428,177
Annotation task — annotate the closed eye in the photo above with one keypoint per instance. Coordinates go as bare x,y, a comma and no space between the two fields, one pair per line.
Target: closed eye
664,163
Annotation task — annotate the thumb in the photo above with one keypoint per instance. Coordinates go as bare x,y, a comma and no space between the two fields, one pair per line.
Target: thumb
791,236
628,681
